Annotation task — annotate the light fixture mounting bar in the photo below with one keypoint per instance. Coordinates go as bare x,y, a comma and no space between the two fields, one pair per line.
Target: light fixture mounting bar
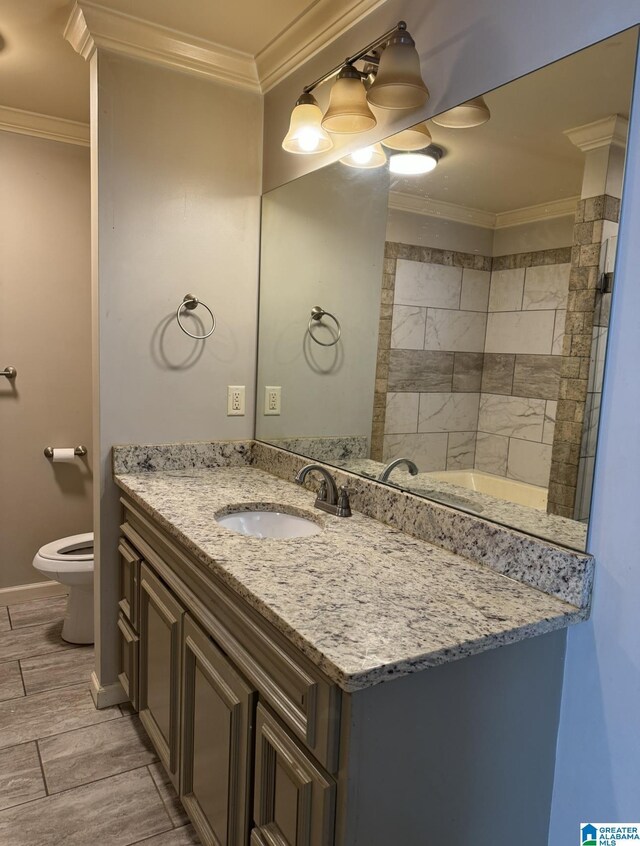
361,54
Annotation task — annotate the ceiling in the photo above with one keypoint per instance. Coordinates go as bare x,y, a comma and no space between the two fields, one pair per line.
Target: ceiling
521,156
40,71
219,21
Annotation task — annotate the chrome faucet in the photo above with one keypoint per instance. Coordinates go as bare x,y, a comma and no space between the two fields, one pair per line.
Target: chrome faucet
328,498
386,472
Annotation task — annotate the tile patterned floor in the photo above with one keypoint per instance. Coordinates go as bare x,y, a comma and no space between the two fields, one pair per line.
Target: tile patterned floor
69,773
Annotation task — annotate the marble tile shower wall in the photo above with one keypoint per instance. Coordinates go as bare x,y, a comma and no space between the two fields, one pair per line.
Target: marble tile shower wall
468,370
437,340
522,361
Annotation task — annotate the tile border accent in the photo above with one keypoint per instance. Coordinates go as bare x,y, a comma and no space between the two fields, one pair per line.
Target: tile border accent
432,255
381,384
514,261
591,213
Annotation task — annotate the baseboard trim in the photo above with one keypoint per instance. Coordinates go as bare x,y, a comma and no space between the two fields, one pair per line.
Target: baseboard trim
104,697
25,593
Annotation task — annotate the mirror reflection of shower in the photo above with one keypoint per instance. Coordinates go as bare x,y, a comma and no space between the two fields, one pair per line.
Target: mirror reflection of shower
476,296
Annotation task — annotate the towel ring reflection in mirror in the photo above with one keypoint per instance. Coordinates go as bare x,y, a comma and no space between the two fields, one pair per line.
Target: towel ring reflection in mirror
189,302
317,313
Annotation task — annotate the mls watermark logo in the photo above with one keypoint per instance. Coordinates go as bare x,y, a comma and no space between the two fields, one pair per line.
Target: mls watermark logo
609,834
588,834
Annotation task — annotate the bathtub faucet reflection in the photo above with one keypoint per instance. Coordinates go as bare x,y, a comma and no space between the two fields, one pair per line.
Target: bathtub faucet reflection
411,467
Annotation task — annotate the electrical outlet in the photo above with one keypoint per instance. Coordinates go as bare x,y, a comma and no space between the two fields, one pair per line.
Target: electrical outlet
272,399
235,401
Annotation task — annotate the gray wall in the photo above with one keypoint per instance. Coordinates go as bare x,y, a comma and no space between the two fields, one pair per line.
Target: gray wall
457,756
177,183
431,231
322,244
45,332
541,235
598,756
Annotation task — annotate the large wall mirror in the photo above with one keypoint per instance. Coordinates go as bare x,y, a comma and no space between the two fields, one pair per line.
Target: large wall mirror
461,316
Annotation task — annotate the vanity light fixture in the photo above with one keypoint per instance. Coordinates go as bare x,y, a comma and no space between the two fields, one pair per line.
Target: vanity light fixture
348,110
306,134
415,163
465,116
366,157
415,138
398,85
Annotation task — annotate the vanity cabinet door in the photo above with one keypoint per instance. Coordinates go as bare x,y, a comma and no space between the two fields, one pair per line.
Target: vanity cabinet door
294,800
160,620
217,742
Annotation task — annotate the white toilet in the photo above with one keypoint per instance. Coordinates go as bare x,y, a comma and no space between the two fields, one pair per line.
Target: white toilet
70,562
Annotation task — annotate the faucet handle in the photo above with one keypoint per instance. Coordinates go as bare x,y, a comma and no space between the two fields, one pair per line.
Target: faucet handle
344,506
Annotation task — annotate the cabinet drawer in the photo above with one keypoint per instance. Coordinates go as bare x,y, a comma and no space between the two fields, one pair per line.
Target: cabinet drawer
128,676
129,580
294,800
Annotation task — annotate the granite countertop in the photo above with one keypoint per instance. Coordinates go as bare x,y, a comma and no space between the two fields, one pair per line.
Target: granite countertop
525,518
365,602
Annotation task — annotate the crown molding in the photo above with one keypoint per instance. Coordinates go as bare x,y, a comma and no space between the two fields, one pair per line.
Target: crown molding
313,30
535,213
44,126
607,132
477,217
400,201
92,26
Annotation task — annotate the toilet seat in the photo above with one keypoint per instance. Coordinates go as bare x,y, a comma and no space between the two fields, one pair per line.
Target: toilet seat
70,561
62,550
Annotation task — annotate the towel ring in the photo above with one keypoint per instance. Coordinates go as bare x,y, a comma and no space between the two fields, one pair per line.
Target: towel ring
190,302
317,313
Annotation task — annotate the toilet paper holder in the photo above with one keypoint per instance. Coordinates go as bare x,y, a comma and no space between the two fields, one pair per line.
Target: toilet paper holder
79,451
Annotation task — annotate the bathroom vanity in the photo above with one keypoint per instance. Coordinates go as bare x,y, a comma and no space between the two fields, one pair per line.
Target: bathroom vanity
344,688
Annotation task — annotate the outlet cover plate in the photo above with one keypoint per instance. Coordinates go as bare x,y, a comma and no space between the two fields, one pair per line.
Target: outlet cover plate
235,401
272,400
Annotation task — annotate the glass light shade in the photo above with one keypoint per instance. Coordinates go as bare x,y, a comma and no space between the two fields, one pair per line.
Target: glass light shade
348,111
412,164
473,113
415,138
366,157
306,134
398,83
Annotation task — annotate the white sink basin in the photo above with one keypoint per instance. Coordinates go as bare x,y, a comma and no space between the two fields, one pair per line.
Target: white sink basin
269,524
